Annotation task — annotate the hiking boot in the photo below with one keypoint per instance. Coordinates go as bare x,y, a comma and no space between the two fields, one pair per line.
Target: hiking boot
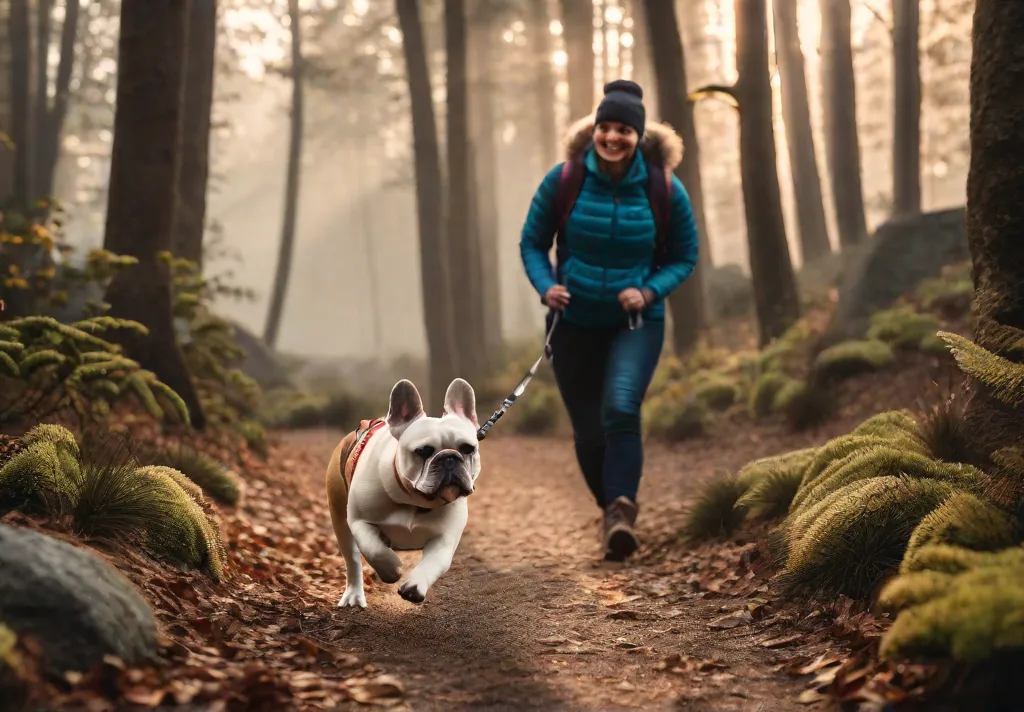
619,539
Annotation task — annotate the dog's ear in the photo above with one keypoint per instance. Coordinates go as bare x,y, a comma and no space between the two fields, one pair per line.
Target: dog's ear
406,406
461,400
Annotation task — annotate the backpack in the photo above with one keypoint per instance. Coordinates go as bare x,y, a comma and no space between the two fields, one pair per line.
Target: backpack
570,184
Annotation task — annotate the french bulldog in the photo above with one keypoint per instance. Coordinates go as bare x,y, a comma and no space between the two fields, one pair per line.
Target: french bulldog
408,490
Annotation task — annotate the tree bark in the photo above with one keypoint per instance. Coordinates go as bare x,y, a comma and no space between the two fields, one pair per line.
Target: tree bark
41,94
291,190
544,82
839,101
776,300
484,182
195,136
51,118
995,214
674,106
796,113
906,145
578,34
434,264
142,196
643,58
465,283
21,101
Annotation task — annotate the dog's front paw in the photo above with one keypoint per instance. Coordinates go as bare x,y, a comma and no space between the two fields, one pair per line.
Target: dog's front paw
388,566
352,598
412,591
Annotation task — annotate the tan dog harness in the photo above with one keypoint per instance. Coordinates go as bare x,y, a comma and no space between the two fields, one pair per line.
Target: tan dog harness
352,447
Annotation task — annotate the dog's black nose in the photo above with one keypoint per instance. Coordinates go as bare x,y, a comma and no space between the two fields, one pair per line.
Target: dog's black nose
449,460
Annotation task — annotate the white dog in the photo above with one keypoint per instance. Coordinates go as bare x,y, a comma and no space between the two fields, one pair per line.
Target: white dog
401,483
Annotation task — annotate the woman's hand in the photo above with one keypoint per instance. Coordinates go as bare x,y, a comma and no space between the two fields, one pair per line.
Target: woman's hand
633,299
557,297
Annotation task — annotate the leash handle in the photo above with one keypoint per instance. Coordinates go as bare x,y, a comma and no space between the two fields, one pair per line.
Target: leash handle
636,320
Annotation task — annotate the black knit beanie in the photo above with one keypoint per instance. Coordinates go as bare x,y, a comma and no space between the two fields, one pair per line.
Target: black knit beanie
623,102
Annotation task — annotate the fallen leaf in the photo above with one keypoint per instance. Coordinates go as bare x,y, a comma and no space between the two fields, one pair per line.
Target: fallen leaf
732,620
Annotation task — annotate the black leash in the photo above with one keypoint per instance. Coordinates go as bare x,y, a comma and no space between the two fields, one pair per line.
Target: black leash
636,321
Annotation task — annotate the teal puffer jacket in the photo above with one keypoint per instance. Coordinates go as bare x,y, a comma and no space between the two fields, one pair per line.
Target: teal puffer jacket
611,234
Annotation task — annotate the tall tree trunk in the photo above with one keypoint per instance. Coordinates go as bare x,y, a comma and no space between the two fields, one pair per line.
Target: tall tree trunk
544,82
775,295
434,264
195,137
41,94
50,119
142,197
21,101
674,106
465,280
291,189
810,209
484,181
578,34
643,59
906,144
995,214
839,101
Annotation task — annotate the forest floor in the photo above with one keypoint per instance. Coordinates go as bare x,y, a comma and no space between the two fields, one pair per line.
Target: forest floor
526,618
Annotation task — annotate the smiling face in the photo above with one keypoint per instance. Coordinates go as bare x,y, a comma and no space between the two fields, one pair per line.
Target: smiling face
615,141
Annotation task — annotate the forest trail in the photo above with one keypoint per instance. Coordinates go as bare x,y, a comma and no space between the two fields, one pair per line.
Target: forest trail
528,618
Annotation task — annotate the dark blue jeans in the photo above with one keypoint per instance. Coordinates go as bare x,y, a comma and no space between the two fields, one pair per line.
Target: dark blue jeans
603,375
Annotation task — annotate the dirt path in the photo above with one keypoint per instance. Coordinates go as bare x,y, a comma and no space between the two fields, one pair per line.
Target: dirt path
528,618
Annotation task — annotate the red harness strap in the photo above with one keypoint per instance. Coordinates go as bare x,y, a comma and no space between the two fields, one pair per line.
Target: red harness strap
363,434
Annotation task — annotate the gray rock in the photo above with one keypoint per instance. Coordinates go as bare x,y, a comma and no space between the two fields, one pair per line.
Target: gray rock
894,261
260,363
729,292
76,605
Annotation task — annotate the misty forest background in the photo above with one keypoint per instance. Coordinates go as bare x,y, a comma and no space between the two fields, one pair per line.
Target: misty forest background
355,287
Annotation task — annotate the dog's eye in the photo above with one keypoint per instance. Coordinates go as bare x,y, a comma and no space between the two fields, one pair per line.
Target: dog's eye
425,451
467,449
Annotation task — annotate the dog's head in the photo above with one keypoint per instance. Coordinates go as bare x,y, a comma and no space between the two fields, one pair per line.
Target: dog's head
438,457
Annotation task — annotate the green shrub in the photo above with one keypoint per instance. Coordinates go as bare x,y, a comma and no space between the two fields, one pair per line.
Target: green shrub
852,358
215,480
538,412
1004,378
48,367
715,513
107,494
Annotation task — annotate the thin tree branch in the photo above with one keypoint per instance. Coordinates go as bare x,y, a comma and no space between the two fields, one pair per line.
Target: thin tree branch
725,92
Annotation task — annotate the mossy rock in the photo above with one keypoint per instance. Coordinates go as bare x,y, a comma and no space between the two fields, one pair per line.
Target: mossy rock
773,482
968,521
715,391
902,327
885,460
861,537
852,358
889,423
766,388
674,415
970,616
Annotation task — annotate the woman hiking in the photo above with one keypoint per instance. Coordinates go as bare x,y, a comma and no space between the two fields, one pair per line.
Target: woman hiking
616,264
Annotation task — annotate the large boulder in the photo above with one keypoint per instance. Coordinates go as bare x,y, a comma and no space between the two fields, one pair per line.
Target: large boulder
901,254
77,606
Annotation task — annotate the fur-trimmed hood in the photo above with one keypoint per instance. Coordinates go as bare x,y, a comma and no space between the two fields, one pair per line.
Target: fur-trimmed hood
660,143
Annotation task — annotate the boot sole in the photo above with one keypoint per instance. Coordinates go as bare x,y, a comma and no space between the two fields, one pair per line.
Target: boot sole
621,544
